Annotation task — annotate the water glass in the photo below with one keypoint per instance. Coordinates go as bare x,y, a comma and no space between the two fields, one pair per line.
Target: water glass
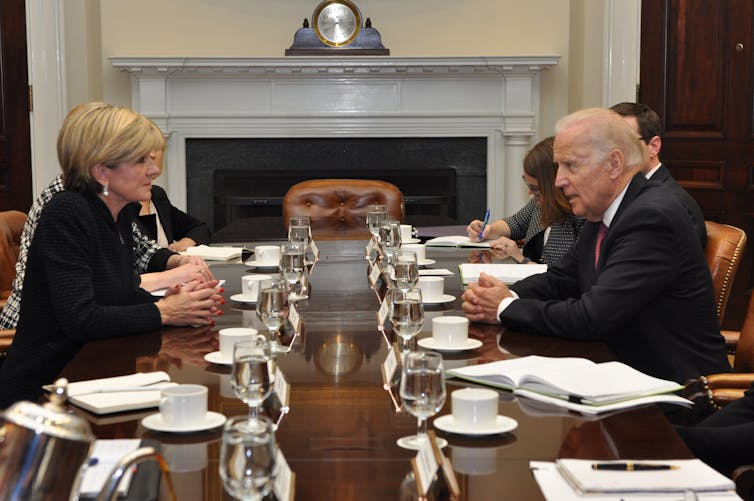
390,238
406,315
422,392
247,457
405,270
376,214
272,308
251,377
292,267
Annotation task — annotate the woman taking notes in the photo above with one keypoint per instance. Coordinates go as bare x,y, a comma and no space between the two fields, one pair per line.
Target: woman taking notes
80,283
546,223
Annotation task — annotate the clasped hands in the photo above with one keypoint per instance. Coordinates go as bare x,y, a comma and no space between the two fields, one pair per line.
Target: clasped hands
481,299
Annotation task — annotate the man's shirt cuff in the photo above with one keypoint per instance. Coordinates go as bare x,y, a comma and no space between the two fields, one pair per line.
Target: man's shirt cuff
505,303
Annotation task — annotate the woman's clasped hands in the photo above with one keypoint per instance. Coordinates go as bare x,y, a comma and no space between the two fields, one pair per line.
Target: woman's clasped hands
193,303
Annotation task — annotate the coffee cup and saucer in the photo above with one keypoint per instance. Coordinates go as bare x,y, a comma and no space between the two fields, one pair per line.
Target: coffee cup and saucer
407,235
450,333
432,288
474,412
228,338
420,251
265,256
249,288
183,409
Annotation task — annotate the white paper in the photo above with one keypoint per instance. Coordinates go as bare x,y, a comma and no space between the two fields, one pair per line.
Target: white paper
439,272
389,365
507,272
106,454
374,274
294,318
426,465
281,387
455,241
555,488
210,253
383,312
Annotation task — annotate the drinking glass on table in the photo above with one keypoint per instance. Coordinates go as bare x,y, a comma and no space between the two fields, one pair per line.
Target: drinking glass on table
376,214
251,377
247,457
292,268
300,230
422,392
407,315
390,238
272,308
405,270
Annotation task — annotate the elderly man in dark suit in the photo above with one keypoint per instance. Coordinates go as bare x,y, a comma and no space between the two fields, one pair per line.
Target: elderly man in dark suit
636,278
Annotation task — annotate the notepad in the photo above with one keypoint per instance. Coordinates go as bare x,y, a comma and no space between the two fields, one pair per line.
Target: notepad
105,454
108,395
575,383
509,273
454,241
210,253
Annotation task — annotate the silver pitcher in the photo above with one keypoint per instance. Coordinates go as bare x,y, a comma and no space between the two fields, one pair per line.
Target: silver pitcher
43,449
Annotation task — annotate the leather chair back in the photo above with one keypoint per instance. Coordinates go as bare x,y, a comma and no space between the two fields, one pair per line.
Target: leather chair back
338,207
725,247
11,226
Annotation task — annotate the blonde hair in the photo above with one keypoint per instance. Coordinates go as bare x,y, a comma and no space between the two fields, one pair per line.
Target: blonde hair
606,131
99,133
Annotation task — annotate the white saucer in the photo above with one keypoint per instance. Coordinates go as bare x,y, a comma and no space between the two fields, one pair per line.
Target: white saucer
243,298
504,424
446,298
429,343
217,358
426,262
211,420
253,263
411,241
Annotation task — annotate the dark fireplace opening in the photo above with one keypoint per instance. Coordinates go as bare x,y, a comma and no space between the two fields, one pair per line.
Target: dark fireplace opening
237,185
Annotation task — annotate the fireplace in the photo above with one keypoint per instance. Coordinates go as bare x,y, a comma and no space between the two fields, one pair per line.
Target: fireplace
443,179
224,118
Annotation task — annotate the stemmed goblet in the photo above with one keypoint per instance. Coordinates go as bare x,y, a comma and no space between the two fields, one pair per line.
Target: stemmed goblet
292,268
422,393
272,308
300,231
247,458
407,315
376,214
390,238
251,377
405,270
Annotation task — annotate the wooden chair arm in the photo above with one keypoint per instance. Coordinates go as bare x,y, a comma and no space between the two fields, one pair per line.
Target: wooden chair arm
729,380
731,339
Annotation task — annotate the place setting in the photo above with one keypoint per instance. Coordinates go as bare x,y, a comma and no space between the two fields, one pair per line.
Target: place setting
407,235
228,338
266,257
433,290
450,334
183,409
420,250
474,413
250,288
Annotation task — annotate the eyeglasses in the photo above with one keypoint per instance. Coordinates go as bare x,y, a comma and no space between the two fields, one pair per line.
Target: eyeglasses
533,189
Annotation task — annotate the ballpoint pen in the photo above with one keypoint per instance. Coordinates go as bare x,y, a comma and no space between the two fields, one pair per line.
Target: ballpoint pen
484,223
629,466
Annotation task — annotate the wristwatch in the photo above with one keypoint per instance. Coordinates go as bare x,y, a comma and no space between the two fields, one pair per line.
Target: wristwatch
336,22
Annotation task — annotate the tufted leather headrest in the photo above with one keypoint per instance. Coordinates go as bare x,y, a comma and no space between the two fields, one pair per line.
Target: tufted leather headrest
338,207
11,226
725,247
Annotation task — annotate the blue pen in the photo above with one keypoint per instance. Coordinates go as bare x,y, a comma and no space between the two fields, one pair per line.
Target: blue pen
484,223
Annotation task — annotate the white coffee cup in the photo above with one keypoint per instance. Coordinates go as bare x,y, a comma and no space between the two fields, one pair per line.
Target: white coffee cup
406,230
418,249
250,285
450,331
267,255
474,407
432,287
229,337
183,405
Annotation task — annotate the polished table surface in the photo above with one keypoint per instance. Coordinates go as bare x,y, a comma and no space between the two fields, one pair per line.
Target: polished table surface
339,436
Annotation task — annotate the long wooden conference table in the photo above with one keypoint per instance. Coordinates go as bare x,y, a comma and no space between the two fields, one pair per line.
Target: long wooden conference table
339,436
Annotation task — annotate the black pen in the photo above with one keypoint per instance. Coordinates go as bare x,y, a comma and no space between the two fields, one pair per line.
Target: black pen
630,466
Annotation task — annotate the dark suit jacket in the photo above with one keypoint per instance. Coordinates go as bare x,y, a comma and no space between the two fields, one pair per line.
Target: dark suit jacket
176,223
683,196
650,298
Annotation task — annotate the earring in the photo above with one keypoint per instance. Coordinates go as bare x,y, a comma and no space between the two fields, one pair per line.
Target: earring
105,190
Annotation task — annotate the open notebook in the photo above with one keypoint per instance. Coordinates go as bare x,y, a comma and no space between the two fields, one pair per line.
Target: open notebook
507,272
210,253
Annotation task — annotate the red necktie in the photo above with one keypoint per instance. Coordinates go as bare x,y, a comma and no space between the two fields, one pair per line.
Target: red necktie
598,245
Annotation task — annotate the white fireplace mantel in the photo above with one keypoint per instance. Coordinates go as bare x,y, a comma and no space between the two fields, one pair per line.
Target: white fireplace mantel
492,97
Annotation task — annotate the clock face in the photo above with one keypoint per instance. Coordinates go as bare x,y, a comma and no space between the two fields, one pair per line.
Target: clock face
337,22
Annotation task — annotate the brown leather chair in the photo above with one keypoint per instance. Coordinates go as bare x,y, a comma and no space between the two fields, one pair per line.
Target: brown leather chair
338,207
725,247
11,227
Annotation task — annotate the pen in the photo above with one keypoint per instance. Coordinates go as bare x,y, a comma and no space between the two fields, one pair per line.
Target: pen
629,466
484,223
